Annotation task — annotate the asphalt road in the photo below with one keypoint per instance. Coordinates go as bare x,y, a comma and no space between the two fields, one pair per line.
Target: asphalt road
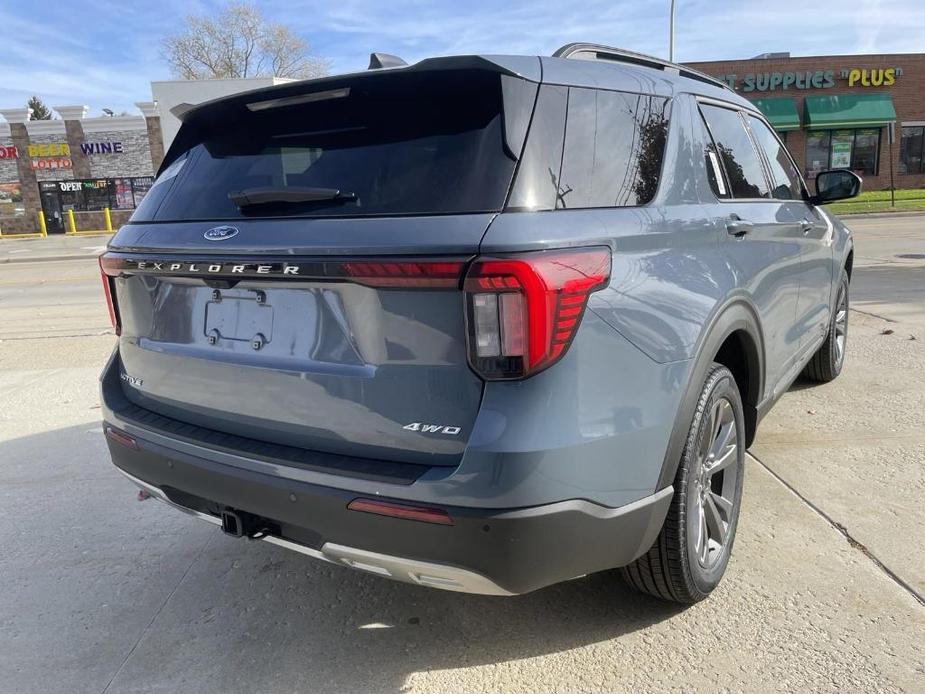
102,593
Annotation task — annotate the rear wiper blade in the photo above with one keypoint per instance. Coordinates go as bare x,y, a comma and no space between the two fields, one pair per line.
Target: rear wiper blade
269,194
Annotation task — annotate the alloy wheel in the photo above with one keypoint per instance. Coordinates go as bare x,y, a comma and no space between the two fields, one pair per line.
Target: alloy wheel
713,490
841,325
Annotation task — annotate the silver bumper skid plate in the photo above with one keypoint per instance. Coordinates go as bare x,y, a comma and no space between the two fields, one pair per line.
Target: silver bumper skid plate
398,568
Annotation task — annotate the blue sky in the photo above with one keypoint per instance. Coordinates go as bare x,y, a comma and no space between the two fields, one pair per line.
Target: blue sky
104,53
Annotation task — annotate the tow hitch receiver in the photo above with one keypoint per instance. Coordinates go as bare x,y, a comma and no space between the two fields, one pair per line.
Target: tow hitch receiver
240,523
231,524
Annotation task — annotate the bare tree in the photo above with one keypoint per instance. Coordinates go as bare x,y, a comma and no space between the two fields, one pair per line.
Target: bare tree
239,42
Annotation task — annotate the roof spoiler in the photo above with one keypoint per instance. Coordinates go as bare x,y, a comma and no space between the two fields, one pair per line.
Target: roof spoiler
377,61
182,109
524,67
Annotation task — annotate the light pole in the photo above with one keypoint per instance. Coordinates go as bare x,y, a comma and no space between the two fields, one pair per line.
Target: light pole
671,33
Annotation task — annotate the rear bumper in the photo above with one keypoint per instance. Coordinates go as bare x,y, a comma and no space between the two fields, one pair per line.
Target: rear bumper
401,569
488,551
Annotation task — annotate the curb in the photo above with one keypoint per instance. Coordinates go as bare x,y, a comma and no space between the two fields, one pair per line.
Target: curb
880,215
47,258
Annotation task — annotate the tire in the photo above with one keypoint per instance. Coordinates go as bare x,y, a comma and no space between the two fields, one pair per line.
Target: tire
676,567
828,361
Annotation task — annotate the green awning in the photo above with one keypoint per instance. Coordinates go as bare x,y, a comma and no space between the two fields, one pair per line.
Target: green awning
781,113
848,111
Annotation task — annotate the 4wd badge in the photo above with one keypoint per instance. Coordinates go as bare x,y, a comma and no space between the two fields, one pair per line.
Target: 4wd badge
432,428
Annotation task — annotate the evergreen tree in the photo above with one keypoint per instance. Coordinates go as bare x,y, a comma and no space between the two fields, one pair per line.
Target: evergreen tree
39,110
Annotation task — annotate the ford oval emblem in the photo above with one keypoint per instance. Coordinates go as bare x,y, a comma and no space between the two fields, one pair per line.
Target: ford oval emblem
221,233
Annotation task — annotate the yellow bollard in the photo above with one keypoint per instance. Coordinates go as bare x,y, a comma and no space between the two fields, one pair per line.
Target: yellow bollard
107,218
42,229
71,224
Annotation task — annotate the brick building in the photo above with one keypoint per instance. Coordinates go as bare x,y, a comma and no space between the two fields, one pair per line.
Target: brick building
836,111
91,164
75,163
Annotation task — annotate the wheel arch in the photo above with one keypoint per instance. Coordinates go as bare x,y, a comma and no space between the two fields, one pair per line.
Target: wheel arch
734,339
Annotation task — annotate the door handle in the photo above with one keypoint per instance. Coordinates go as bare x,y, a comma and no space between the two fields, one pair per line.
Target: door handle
807,226
737,226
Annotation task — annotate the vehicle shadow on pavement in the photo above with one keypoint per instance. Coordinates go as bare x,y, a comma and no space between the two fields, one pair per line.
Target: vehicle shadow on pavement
100,587
893,283
297,623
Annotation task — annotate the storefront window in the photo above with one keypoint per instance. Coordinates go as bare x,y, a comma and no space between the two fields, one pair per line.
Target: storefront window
11,204
910,150
140,187
817,152
96,194
857,150
866,148
841,149
123,194
70,195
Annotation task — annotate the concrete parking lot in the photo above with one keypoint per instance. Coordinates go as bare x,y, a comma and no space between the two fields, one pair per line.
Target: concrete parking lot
103,593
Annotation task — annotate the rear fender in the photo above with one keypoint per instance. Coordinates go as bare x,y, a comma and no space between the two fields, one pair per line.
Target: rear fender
736,315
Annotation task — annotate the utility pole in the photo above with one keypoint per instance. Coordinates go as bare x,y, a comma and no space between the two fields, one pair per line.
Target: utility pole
671,33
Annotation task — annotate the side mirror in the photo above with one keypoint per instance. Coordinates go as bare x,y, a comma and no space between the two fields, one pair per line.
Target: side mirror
838,184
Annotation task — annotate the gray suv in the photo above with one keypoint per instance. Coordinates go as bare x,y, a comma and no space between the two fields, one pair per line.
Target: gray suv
480,323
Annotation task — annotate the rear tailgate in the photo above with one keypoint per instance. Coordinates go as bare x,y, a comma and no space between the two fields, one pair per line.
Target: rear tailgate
361,354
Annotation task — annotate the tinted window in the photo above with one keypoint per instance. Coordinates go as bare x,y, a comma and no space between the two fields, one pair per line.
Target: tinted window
784,176
740,159
614,146
537,184
162,184
714,168
414,143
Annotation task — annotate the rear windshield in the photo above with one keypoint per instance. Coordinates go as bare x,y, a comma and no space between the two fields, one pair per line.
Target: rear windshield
417,143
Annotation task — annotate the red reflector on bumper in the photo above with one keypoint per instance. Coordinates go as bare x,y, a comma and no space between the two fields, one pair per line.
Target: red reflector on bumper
121,438
418,513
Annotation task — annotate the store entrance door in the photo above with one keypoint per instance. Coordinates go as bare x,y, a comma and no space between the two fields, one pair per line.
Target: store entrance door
51,208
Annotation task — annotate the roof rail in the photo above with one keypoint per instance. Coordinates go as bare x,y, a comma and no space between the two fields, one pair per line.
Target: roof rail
595,51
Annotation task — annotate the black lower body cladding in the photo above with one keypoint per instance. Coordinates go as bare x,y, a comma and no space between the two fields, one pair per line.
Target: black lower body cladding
518,550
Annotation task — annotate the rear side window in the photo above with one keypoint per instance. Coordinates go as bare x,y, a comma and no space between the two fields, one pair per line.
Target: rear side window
785,179
714,168
739,156
415,143
614,147
537,185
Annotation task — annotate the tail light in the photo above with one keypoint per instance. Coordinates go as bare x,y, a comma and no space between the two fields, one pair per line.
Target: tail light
524,310
110,299
405,274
